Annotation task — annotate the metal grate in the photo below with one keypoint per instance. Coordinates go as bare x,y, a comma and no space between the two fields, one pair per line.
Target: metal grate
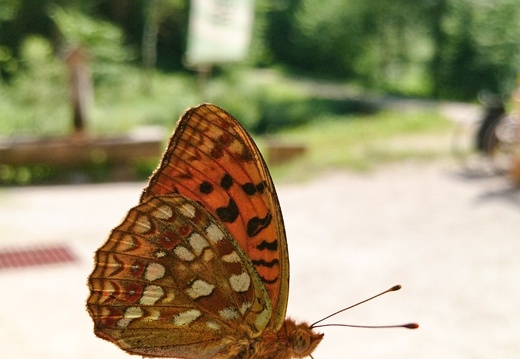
32,257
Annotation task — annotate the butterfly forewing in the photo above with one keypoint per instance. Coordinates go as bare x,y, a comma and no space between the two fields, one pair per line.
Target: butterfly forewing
212,160
171,281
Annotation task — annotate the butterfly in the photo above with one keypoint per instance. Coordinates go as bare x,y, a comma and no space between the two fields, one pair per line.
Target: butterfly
200,268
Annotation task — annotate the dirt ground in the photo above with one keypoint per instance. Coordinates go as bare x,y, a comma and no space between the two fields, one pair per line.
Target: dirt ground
450,240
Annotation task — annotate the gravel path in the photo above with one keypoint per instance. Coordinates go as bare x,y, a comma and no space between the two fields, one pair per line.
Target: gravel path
452,242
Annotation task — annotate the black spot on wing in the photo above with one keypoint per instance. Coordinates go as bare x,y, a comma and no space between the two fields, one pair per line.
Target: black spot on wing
249,188
206,187
263,263
256,224
228,214
261,186
269,281
226,182
271,246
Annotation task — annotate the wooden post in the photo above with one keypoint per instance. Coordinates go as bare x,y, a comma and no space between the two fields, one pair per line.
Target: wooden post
80,88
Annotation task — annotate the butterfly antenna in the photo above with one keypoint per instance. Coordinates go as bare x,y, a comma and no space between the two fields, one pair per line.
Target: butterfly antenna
407,326
393,289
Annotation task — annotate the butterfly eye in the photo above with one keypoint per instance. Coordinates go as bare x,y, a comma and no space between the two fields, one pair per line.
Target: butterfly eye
300,341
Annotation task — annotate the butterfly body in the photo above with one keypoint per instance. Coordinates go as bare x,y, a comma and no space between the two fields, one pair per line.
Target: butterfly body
199,268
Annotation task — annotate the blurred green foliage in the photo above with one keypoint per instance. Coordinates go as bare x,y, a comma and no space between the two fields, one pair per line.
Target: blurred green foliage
437,48
35,101
442,48
102,39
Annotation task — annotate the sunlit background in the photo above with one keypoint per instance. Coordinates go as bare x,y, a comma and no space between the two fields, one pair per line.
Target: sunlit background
390,128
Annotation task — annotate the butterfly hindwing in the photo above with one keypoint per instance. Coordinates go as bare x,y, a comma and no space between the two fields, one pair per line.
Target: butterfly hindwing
213,160
171,281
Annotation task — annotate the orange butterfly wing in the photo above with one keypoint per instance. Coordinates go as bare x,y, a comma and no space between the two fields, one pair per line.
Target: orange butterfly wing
212,159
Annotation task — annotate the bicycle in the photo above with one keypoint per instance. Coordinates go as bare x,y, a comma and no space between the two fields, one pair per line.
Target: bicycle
488,146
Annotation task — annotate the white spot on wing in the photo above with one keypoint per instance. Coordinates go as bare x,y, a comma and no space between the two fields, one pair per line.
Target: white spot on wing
163,212
240,282
134,312
228,313
183,253
198,243
187,210
214,233
154,271
232,257
186,317
131,313
151,295
212,325
199,288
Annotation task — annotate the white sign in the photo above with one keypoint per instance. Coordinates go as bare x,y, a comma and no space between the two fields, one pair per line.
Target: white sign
219,31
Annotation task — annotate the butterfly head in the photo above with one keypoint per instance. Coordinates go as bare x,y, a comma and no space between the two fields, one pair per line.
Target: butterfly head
302,339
